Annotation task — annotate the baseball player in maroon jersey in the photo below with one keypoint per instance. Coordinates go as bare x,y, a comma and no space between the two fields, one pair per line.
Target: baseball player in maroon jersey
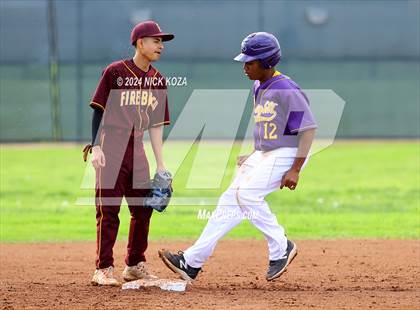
129,99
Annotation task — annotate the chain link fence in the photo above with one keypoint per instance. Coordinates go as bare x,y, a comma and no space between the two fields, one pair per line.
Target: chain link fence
53,52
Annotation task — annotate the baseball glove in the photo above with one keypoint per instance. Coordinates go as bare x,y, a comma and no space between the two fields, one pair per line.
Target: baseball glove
161,191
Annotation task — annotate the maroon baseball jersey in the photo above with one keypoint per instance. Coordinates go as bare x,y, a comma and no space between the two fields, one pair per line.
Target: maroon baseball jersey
130,97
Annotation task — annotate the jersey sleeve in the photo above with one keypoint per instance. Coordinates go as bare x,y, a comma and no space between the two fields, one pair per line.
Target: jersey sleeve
299,115
160,115
101,94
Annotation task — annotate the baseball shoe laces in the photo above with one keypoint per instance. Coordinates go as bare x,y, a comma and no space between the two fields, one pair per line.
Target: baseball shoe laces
139,271
104,276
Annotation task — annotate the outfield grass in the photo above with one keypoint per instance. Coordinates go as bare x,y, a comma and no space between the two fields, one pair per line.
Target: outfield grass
350,190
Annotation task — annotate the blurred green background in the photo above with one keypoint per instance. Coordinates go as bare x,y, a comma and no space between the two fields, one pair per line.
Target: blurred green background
382,98
350,190
368,52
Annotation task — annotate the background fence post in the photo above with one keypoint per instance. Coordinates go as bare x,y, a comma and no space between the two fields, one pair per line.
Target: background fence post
54,66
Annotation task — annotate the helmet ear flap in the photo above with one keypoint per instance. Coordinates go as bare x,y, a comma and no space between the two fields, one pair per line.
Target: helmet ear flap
265,64
271,61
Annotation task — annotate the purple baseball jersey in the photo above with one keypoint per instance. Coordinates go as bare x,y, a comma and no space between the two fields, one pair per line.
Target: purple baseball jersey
281,111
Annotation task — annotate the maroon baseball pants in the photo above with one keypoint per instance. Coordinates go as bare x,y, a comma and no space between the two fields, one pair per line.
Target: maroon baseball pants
126,174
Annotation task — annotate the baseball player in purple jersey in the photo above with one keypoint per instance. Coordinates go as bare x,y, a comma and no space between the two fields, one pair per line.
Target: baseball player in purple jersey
129,99
283,134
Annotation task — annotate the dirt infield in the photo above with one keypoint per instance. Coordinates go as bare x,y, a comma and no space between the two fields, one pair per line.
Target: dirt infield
344,274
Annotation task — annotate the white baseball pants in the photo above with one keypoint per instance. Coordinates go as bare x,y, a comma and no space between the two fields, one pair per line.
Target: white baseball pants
258,176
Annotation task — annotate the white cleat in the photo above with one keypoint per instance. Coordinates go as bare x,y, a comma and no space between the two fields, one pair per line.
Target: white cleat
104,277
137,272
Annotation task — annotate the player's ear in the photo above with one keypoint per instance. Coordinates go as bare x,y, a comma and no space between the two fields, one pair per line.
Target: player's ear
139,43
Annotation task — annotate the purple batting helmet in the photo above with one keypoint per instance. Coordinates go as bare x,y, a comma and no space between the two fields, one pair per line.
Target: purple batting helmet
262,46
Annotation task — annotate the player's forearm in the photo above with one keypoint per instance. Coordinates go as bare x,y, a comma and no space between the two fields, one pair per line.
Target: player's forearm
305,141
96,122
155,134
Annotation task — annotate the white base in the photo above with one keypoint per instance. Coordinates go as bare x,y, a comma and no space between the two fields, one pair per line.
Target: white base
164,284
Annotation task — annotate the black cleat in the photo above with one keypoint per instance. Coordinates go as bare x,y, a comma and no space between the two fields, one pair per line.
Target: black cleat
177,263
277,267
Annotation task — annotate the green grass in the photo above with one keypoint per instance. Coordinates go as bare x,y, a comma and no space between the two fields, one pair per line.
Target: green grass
350,190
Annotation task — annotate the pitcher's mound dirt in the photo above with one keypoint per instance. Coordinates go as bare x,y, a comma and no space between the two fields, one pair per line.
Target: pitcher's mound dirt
342,274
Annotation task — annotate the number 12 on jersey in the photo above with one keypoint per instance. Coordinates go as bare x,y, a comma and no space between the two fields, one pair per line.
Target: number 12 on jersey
270,131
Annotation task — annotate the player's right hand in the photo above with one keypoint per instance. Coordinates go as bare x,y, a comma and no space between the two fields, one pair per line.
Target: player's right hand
98,157
241,159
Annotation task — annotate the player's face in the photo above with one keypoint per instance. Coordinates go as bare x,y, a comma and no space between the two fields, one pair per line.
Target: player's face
253,69
150,47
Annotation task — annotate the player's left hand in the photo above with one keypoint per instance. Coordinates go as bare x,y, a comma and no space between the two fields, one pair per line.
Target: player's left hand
161,191
241,159
290,179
